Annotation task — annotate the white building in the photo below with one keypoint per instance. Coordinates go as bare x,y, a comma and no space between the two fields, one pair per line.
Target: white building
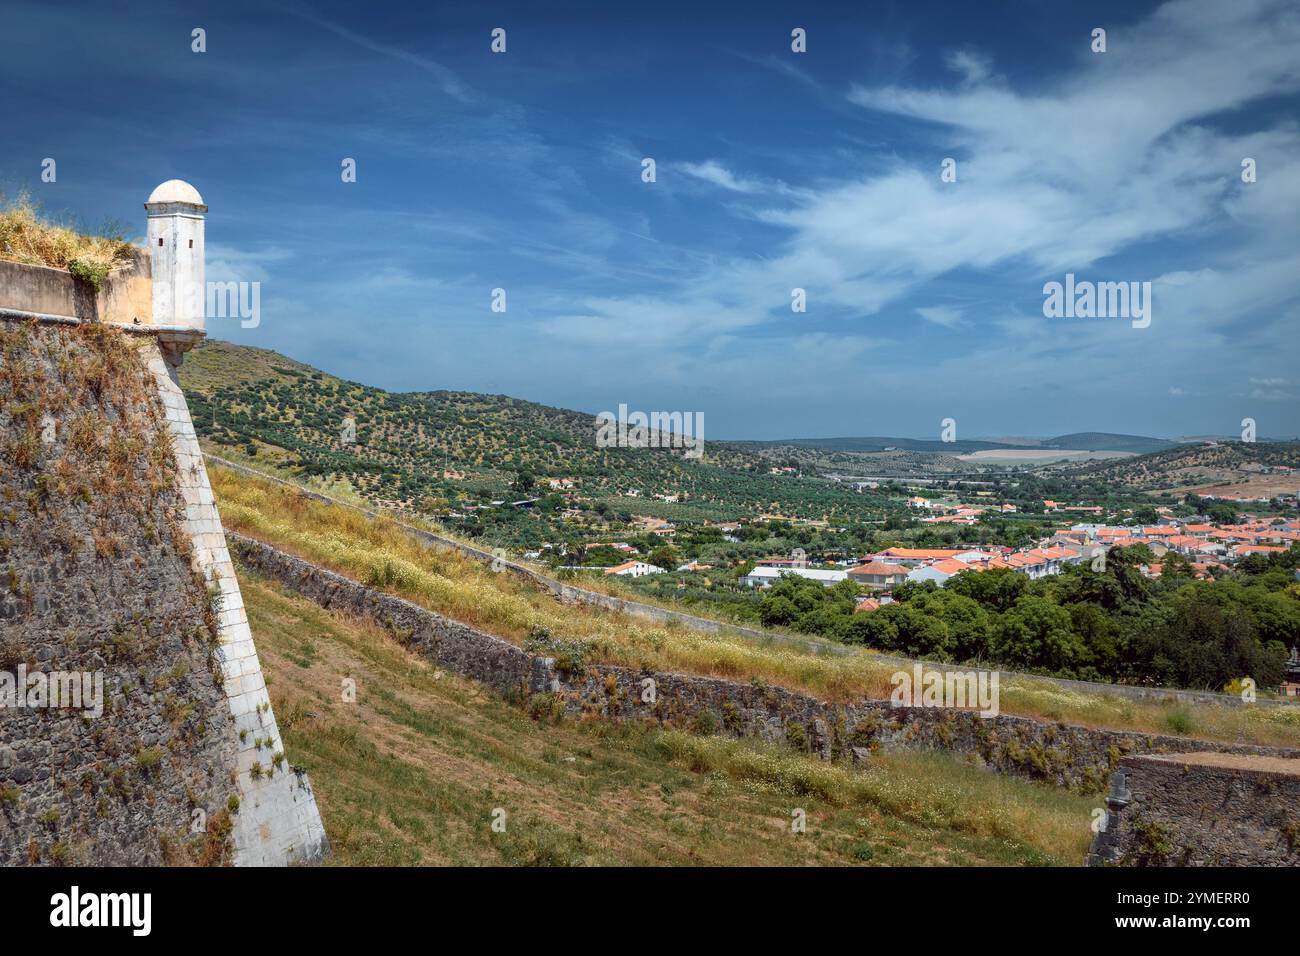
763,577
634,569
176,213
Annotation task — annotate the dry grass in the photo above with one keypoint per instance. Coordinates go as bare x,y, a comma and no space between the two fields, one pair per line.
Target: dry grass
410,772
379,553
79,408
926,789
28,238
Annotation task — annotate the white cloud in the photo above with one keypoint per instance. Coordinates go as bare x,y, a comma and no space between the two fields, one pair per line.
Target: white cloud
974,67
711,171
1272,395
1061,179
228,263
1073,176
943,315
1070,179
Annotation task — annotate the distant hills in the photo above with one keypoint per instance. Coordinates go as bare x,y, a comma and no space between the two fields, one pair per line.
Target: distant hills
1234,468
1106,441
441,449
1077,441
867,445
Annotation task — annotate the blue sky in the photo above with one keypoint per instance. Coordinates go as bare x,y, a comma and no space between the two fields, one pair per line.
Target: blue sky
775,170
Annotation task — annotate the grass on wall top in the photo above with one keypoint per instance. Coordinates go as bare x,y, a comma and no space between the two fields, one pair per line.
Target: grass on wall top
27,237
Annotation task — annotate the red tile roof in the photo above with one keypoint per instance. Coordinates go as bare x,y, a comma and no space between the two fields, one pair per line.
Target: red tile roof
951,566
876,569
622,567
918,554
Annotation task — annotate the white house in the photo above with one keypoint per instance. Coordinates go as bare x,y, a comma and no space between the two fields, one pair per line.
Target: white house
763,577
634,569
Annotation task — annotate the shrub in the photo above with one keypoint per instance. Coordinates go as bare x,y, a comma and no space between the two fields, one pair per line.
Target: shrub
148,759
1179,720
90,269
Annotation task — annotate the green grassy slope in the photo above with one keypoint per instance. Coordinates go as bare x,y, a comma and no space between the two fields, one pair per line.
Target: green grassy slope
411,772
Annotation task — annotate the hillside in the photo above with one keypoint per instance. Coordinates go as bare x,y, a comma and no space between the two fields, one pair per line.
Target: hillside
1104,441
441,451
1077,441
1238,469
410,775
875,444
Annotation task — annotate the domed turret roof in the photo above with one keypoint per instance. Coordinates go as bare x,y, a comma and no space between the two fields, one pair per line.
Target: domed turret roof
176,190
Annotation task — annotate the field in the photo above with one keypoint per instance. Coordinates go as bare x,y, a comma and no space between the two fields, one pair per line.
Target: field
411,773
1255,486
379,553
1036,456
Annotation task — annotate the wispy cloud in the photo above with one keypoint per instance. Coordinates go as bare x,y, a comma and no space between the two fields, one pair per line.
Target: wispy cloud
448,81
944,315
711,171
974,67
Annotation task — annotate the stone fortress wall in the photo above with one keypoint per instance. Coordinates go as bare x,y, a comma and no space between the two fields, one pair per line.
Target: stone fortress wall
190,726
1201,809
95,579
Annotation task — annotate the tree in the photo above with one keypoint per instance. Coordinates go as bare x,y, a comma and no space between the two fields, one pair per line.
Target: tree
665,556
524,482
1222,513
1099,635
997,589
917,634
777,610
1210,637
1037,633
1173,566
870,630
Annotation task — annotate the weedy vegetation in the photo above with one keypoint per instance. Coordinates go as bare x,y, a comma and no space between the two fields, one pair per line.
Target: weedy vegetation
27,237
